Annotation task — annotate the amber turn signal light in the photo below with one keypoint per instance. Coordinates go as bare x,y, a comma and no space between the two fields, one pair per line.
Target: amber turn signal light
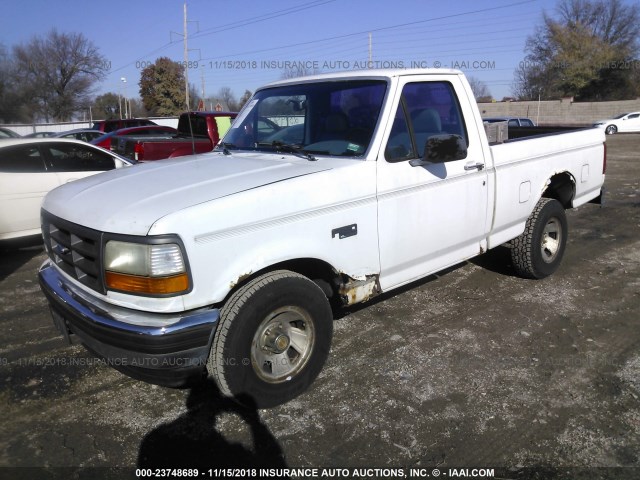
149,285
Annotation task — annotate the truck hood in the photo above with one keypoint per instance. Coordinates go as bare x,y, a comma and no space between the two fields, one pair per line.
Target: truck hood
130,200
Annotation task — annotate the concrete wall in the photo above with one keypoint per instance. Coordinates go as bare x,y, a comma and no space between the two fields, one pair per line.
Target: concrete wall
559,112
555,112
25,129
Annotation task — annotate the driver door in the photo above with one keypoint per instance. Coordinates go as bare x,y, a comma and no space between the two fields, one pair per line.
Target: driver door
632,123
435,215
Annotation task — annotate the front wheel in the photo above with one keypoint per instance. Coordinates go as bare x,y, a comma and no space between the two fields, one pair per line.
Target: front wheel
537,253
273,338
611,129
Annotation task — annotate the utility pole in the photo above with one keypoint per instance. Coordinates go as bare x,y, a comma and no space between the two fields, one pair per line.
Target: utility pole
186,60
202,78
126,110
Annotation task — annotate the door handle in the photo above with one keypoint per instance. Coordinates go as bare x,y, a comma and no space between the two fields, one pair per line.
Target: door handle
474,166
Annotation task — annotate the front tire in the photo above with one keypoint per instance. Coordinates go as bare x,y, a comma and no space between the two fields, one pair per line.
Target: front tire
537,253
273,338
611,129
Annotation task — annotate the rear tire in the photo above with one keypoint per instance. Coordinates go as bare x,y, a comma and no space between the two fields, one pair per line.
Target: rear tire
537,253
273,339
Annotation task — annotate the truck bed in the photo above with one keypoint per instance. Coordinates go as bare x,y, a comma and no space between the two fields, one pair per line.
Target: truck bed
159,148
575,153
521,133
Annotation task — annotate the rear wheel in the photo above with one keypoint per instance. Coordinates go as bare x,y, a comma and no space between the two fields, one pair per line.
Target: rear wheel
611,129
537,253
273,338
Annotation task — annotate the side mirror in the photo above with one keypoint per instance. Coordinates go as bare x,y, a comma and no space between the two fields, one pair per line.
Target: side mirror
442,148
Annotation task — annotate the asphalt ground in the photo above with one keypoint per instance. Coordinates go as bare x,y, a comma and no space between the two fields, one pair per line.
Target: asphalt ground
473,368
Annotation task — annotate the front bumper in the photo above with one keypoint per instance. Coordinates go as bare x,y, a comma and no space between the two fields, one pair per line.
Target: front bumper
168,349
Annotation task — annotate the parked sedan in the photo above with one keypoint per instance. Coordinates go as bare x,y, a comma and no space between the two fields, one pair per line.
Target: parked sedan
104,141
84,134
40,135
31,168
625,122
512,121
7,133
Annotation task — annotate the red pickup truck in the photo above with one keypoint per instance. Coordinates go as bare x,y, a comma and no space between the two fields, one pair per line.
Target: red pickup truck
198,132
107,126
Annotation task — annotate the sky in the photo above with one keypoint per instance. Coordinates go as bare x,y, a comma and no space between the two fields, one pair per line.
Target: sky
243,45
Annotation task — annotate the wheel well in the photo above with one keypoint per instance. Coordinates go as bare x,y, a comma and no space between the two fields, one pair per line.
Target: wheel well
561,187
322,273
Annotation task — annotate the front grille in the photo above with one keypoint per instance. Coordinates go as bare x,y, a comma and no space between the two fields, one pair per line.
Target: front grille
75,249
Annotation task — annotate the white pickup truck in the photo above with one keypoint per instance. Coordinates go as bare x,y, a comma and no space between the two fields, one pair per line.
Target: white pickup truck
327,190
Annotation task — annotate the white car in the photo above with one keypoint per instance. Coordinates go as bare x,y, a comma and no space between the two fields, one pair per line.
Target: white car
29,168
625,122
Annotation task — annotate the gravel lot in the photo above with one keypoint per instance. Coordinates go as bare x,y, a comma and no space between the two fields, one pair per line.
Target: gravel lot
472,368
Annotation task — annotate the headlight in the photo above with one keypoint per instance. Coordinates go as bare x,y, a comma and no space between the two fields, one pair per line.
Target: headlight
598,124
144,268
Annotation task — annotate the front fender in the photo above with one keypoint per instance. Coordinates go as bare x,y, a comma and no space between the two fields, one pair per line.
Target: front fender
325,216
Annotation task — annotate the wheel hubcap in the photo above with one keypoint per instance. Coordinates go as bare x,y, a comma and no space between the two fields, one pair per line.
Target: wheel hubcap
283,344
551,240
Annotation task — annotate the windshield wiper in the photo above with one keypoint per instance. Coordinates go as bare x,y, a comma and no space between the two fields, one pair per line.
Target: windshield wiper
288,148
226,146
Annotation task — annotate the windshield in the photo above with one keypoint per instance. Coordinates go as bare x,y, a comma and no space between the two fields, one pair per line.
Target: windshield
621,115
327,118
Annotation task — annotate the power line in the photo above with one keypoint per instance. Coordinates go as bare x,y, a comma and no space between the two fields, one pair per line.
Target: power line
363,32
237,24
262,18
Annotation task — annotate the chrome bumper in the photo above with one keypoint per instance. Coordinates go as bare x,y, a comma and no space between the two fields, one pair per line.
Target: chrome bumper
167,349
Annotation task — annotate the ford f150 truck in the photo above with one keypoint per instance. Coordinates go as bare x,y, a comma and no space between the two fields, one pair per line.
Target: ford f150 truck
198,132
230,262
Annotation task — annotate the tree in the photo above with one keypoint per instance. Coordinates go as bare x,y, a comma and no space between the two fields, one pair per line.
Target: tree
12,101
480,90
227,100
244,99
300,71
194,97
162,88
227,97
582,52
107,106
58,72
136,108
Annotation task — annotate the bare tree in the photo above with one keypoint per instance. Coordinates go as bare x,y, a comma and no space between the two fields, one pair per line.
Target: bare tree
611,21
244,99
58,72
12,101
301,71
480,90
227,99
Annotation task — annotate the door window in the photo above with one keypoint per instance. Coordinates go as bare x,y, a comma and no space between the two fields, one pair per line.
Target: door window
22,159
426,109
71,157
400,145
